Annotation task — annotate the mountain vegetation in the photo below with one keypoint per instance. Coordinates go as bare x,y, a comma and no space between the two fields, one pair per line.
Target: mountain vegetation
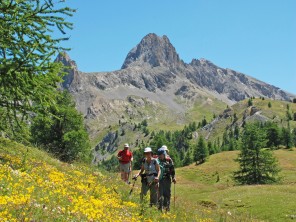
62,133
257,164
61,129
29,76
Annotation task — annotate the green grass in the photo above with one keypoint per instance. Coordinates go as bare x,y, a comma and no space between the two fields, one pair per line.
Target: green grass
37,187
206,107
277,112
50,190
199,184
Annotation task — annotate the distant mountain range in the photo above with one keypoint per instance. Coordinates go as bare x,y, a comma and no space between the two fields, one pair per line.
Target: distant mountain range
153,75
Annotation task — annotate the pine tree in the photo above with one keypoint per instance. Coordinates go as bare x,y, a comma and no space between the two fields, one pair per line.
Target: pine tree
146,131
257,165
231,145
287,137
288,115
204,122
236,132
269,105
250,102
225,142
273,135
29,39
215,147
201,151
192,126
211,148
294,136
144,123
62,133
218,145
187,159
122,132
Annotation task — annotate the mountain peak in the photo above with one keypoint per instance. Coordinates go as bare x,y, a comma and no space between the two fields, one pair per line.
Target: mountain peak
70,67
154,51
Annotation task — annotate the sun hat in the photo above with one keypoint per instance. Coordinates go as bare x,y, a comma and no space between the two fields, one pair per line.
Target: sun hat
126,145
165,148
147,150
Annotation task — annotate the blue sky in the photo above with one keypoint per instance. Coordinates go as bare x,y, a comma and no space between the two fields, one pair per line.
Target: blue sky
255,37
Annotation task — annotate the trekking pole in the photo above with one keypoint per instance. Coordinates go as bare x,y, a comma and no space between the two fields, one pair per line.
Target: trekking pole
128,175
135,179
174,196
131,172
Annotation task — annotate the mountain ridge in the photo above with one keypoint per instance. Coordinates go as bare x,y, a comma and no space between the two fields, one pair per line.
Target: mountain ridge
154,52
154,72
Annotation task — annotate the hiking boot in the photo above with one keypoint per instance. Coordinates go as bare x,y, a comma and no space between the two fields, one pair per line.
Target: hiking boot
160,209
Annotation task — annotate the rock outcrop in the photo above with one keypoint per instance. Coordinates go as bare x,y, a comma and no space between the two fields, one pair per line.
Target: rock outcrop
154,70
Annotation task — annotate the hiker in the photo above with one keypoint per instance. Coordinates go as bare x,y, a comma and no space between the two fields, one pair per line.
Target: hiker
165,148
151,176
125,158
167,177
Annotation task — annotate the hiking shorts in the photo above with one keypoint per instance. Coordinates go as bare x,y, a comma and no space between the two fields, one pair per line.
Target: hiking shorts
125,167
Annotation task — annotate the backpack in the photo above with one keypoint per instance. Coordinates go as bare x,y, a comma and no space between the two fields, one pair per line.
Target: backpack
156,161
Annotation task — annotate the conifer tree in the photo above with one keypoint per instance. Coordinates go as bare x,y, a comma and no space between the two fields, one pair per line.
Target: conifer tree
272,135
257,164
250,102
236,132
287,137
211,148
62,133
204,122
187,159
28,74
294,136
201,151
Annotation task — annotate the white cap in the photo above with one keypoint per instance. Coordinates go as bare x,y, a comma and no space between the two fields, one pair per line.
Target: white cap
126,145
147,150
164,147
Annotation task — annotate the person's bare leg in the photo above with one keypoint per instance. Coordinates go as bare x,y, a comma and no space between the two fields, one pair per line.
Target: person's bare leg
123,176
126,177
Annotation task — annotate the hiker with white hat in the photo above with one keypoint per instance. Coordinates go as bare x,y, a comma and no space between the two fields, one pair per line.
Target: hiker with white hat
165,148
125,158
151,176
167,177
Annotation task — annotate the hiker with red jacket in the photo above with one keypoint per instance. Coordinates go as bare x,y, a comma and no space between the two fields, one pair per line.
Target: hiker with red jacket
125,158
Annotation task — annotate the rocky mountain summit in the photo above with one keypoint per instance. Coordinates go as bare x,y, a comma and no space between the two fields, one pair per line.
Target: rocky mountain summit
153,51
154,71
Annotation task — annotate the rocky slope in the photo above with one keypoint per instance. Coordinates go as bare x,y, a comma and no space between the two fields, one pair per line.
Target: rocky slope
156,78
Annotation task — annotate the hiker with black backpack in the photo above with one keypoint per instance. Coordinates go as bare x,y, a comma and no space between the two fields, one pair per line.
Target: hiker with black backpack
167,177
151,176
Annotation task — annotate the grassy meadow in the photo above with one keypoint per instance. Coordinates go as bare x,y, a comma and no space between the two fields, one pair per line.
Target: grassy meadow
36,187
211,185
